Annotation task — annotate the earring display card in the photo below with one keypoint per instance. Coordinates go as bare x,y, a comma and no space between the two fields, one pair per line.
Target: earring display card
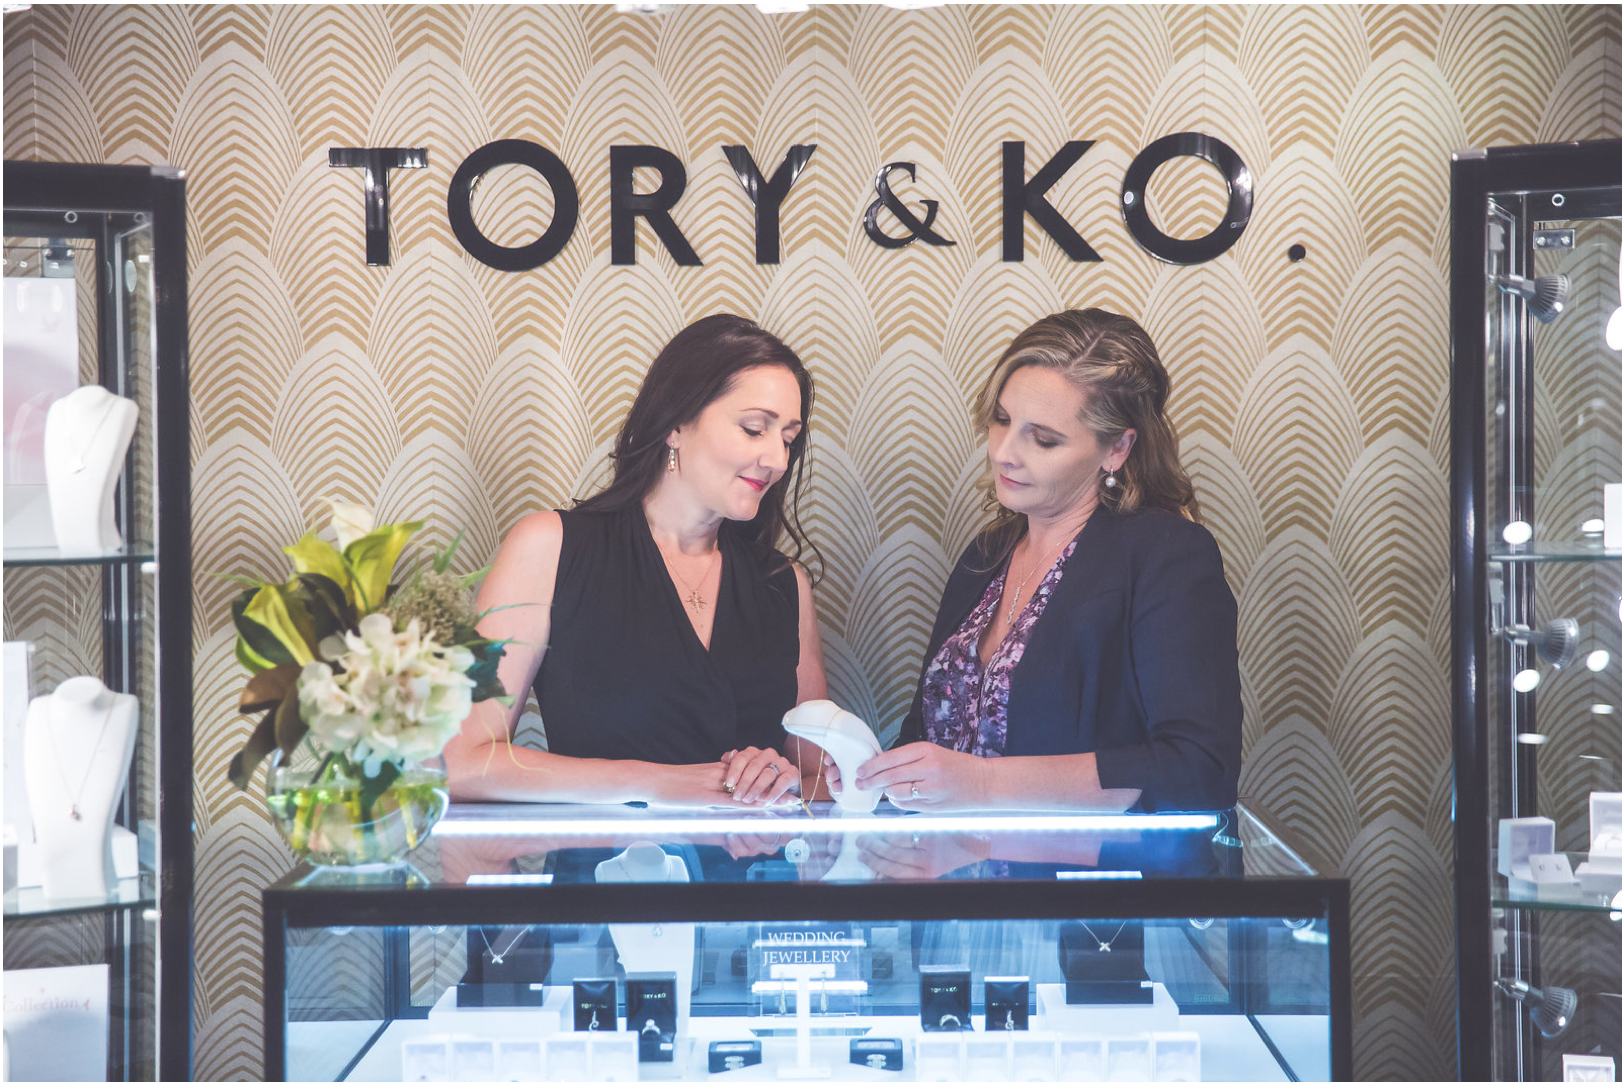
650,1012
567,1058
1605,825
1081,1059
1102,963
613,1056
1130,1058
16,694
1177,1056
473,1059
944,998
596,1003
425,1060
518,1060
1008,1004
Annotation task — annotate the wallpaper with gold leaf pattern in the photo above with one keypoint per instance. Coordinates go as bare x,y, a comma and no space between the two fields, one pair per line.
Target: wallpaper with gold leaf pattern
1311,396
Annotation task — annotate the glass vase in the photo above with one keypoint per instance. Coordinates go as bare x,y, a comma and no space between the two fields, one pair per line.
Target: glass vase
337,818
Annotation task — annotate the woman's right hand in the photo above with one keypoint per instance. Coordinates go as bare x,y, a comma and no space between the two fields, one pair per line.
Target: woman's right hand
692,784
830,775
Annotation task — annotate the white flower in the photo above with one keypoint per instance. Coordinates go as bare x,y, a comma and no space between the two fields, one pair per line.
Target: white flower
350,521
398,696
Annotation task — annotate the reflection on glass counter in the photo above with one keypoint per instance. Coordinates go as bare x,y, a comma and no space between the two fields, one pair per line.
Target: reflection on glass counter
763,946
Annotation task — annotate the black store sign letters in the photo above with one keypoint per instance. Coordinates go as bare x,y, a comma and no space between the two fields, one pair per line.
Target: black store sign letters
1022,196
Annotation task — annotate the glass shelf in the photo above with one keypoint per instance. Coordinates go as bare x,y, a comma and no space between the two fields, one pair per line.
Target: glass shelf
1562,551
1526,895
135,892
142,551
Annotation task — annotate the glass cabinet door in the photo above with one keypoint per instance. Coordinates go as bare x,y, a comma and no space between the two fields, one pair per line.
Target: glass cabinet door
1541,661
93,574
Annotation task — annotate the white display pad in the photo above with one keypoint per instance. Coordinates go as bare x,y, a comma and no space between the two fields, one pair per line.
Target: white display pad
1230,1049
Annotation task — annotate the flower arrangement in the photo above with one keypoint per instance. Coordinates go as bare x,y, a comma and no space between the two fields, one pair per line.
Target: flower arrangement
374,678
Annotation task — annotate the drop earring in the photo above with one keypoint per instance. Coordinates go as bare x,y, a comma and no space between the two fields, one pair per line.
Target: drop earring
1109,480
670,465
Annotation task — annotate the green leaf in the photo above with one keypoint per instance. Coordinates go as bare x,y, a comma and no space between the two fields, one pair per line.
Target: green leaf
260,744
486,662
371,561
285,617
266,690
290,727
257,646
372,788
442,564
329,608
312,555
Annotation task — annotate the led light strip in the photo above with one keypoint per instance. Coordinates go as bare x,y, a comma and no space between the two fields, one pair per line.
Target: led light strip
509,878
454,826
1102,874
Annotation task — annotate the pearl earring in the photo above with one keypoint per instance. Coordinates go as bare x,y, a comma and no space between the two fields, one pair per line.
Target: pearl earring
670,466
1109,480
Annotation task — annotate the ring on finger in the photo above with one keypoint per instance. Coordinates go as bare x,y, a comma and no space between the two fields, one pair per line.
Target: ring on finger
914,791
774,768
728,786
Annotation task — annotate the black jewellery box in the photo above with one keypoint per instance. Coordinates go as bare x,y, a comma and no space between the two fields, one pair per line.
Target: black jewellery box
1008,1004
650,1012
506,966
876,1053
944,997
727,1056
1102,963
595,1004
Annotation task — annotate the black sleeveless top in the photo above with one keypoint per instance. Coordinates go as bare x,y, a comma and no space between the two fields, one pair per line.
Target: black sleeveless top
625,675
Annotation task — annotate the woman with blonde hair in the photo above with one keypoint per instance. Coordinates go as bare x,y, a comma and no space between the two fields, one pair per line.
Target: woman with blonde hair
1086,652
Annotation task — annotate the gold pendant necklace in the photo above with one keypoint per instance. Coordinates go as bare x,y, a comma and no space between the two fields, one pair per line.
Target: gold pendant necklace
694,599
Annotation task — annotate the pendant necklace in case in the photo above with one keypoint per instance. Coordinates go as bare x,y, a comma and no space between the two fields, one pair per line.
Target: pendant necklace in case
498,957
1103,945
74,796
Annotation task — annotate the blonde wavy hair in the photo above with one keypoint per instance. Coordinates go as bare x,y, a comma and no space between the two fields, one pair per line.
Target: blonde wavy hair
1125,385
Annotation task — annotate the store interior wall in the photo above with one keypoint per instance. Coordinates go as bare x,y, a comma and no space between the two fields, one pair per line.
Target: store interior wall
1311,397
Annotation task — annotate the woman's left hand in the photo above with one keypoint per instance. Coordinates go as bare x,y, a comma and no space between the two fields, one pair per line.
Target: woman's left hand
926,776
758,775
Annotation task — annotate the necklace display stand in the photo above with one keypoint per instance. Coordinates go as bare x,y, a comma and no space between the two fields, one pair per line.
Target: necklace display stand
78,744
87,434
661,948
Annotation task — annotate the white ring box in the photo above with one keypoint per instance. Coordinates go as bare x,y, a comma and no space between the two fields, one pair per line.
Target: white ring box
473,1059
1519,839
613,1055
1602,872
567,1058
939,1056
1589,1068
985,1056
1130,1058
1035,1056
427,1059
518,1060
1177,1056
1081,1059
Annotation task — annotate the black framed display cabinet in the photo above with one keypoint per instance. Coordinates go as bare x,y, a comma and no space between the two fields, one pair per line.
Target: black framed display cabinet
1537,588
565,942
95,272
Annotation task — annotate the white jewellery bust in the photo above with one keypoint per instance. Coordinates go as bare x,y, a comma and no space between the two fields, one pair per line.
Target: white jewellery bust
78,744
87,434
665,947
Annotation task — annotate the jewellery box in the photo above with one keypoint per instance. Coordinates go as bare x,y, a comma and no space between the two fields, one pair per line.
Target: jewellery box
944,997
506,966
1102,963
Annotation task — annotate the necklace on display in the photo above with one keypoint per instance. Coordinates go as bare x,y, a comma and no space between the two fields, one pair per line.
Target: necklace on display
498,957
1013,602
1103,945
75,796
77,465
694,599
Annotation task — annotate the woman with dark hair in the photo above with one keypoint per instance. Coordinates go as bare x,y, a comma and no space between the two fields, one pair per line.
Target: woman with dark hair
669,635
1086,650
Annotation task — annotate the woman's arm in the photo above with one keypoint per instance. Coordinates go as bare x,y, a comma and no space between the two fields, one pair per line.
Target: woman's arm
483,764
957,780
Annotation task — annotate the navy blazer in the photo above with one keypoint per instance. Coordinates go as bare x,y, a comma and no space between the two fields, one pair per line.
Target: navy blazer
1135,657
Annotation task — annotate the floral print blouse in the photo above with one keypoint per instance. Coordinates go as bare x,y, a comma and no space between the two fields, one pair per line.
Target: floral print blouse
966,705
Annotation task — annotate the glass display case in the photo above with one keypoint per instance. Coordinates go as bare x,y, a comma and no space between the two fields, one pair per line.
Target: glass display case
561,942
97,619
1537,565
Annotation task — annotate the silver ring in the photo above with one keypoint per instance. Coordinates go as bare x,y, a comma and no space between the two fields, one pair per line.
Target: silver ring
915,791
774,768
